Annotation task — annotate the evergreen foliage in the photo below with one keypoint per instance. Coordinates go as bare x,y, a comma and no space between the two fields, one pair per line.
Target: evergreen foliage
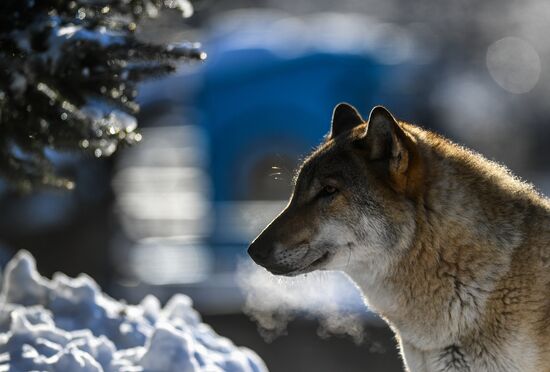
69,71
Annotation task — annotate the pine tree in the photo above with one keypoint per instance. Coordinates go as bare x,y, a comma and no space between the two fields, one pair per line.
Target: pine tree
69,71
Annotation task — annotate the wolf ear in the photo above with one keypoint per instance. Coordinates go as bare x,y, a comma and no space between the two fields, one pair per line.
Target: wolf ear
344,117
386,141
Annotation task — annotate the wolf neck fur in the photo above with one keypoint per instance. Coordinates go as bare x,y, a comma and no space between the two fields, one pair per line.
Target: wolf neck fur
436,292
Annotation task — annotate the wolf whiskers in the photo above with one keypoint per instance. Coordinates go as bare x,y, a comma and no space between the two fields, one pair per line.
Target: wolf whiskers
280,173
276,173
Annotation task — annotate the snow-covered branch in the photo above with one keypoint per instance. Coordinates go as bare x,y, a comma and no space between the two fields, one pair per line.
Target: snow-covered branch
69,71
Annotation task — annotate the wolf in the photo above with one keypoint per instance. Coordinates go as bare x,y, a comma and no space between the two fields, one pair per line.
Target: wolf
449,248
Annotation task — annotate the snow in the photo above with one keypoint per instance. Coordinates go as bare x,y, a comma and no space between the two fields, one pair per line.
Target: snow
106,118
184,6
60,35
68,324
101,35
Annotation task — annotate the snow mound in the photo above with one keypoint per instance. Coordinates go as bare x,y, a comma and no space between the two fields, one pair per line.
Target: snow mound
68,324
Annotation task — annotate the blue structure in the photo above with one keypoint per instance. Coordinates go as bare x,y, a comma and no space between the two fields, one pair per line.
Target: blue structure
261,99
276,106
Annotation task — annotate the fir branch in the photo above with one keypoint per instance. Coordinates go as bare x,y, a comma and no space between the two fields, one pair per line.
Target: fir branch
68,76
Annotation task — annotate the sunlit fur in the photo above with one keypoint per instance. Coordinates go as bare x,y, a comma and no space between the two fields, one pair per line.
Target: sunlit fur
454,252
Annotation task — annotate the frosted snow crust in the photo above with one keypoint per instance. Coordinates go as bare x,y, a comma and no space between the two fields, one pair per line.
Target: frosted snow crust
68,324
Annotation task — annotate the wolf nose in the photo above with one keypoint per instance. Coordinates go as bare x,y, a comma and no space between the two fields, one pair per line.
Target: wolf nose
258,252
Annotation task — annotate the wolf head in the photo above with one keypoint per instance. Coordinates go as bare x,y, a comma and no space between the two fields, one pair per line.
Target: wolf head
353,202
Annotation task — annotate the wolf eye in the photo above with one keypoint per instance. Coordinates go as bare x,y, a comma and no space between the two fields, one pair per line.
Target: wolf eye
329,190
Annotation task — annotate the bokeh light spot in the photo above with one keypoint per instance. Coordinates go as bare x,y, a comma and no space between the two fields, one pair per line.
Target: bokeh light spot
514,64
